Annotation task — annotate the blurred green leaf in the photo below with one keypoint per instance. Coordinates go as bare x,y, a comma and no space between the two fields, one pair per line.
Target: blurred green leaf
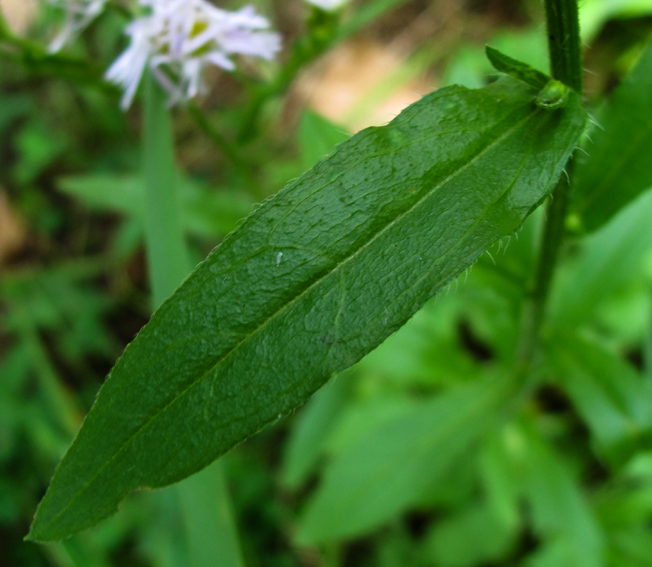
37,146
209,519
456,487
14,369
501,476
367,13
205,213
60,301
387,470
603,264
631,547
448,542
613,399
595,13
561,514
626,502
425,353
13,106
361,417
624,506
556,553
317,137
617,169
312,429
313,279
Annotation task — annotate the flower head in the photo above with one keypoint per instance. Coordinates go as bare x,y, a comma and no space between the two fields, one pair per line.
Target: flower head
179,38
328,5
79,13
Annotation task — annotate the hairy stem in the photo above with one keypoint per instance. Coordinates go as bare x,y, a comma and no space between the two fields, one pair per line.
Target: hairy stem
564,42
566,66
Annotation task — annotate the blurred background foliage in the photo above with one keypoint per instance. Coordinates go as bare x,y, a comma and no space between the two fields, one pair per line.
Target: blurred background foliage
566,481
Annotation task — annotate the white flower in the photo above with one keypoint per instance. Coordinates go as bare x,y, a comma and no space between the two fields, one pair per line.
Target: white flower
79,13
179,38
328,5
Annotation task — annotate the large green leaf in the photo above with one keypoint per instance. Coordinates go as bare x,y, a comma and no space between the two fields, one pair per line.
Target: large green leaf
309,283
618,167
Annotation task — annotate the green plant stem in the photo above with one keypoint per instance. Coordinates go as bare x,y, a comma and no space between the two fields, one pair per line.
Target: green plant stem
566,66
204,499
533,314
562,19
166,252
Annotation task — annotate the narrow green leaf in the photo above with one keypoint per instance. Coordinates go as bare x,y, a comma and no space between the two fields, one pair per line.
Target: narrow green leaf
317,137
360,417
385,471
560,511
308,437
517,69
500,476
447,543
613,399
204,213
209,519
604,265
618,167
626,501
309,283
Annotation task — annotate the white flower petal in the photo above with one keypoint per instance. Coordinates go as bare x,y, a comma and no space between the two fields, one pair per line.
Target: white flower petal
179,38
79,13
220,60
